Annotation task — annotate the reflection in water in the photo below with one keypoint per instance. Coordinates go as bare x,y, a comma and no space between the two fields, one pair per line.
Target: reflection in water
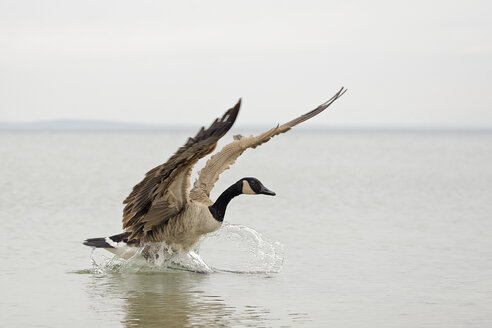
171,299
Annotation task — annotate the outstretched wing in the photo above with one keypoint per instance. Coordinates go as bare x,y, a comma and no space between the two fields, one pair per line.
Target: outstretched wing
222,160
163,192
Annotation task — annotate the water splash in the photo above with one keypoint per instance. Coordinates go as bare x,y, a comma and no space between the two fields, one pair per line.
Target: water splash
151,257
232,248
241,249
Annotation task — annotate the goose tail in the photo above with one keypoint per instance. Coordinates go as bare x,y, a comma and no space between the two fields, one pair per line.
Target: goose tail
109,242
117,244
97,242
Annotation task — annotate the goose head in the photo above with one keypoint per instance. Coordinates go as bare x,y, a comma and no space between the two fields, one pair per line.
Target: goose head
253,186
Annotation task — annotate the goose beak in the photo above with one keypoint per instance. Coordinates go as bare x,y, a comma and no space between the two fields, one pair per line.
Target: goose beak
265,191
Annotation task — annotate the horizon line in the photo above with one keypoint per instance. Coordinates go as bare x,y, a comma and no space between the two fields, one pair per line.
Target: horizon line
66,124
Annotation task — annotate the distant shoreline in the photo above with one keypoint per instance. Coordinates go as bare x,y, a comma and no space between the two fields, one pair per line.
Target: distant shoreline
68,125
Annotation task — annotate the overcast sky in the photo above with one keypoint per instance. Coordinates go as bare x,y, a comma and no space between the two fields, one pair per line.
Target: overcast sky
405,63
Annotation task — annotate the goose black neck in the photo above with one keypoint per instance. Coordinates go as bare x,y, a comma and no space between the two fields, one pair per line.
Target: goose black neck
218,209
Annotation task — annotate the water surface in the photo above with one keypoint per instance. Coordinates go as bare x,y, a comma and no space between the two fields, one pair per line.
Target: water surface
375,230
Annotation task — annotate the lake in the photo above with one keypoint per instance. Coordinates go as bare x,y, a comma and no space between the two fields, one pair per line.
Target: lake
368,229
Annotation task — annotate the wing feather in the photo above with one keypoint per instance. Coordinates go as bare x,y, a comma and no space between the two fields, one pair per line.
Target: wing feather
164,190
222,160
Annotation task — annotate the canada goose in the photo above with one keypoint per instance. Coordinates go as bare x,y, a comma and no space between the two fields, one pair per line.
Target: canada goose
160,208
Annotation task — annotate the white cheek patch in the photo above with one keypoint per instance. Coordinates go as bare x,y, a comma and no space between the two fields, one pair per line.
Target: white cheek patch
247,189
